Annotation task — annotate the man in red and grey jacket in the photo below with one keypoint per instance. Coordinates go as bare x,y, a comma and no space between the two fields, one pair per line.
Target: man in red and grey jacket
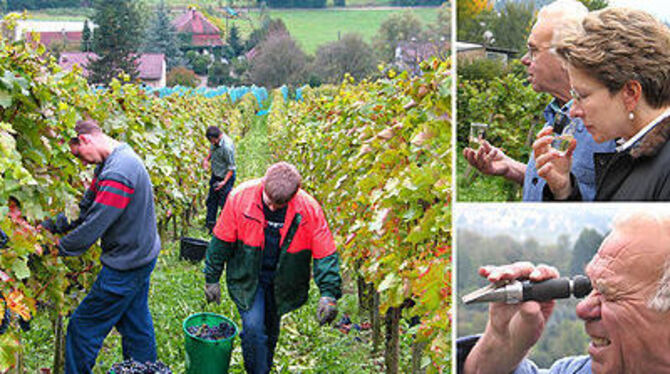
118,209
271,233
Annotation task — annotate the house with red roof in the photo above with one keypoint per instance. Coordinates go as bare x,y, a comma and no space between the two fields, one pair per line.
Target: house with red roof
197,32
150,66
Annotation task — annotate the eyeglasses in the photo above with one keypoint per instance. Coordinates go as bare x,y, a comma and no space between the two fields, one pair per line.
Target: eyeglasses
575,95
533,52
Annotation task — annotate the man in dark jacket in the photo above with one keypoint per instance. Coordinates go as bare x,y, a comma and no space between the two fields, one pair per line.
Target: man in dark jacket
269,232
118,207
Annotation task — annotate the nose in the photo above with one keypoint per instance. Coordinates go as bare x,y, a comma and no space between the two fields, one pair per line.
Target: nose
525,59
589,308
576,110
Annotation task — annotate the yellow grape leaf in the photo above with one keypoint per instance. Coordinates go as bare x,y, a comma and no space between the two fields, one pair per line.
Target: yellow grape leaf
18,303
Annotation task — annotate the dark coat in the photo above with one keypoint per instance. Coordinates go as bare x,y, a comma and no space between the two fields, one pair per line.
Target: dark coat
641,173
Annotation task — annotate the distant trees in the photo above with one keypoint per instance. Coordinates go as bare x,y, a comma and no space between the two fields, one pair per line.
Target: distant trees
20,5
405,26
349,55
296,3
279,61
116,40
585,247
595,4
161,37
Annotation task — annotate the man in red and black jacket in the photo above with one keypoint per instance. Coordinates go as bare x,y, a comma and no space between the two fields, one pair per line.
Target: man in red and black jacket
271,233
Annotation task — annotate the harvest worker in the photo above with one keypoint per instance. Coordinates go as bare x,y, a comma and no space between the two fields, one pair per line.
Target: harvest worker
547,74
268,233
626,315
222,156
119,208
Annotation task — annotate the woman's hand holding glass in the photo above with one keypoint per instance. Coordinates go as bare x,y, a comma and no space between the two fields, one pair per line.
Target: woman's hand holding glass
553,165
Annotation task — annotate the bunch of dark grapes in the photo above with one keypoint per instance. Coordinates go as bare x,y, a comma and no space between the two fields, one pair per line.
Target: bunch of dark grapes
134,367
221,331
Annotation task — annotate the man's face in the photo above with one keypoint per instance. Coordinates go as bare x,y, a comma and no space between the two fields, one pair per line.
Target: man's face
213,141
545,70
85,150
626,335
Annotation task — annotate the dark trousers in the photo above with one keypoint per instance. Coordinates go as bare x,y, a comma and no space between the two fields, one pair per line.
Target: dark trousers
217,199
260,331
117,299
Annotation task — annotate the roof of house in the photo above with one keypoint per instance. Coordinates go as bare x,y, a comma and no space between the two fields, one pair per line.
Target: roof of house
194,22
150,65
48,37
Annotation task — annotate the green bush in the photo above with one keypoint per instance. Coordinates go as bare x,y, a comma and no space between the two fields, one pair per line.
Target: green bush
182,76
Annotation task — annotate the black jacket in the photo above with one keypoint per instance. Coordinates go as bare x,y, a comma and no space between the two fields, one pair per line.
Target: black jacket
641,173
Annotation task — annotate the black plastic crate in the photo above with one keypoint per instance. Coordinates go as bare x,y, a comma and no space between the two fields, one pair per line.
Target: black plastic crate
192,249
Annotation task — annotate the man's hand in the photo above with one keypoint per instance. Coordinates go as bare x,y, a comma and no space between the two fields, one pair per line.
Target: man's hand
490,160
552,165
512,329
327,310
219,185
213,292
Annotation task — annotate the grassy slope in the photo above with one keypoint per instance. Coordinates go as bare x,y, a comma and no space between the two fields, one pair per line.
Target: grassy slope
177,292
310,28
314,28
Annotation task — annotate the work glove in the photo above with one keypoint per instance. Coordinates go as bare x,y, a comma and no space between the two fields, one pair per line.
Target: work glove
213,292
327,310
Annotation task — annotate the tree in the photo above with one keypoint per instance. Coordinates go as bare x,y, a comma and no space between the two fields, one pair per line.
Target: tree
398,27
279,61
116,40
511,26
86,38
161,37
182,76
234,41
595,4
348,55
219,74
467,12
585,247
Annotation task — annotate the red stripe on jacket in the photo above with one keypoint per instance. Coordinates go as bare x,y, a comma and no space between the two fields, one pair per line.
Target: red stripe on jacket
94,185
112,199
117,185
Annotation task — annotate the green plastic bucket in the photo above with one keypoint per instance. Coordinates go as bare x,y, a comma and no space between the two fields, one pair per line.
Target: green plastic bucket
207,356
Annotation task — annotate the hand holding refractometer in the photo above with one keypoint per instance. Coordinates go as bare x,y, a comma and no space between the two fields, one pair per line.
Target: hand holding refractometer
519,291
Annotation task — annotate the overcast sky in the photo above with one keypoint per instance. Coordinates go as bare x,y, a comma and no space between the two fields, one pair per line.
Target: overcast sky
659,8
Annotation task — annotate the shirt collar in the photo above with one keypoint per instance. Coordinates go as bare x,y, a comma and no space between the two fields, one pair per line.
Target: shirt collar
630,142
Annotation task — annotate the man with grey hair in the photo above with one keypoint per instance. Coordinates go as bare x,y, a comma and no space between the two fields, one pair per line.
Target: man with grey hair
626,315
271,232
547,73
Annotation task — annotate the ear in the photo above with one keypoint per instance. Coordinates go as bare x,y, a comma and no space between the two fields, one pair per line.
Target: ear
632,92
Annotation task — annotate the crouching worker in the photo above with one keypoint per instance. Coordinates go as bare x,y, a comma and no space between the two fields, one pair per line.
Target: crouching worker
271,233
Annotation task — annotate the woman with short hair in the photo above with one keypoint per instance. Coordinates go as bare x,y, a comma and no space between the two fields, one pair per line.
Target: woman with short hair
619,68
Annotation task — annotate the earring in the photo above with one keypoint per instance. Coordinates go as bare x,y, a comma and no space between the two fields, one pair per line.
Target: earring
631,116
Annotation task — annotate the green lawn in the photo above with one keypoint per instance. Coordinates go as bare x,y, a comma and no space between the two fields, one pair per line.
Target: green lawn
315,27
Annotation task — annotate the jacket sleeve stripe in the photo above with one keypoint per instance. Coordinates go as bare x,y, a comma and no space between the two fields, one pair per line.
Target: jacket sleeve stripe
94,185
112,199
117,185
